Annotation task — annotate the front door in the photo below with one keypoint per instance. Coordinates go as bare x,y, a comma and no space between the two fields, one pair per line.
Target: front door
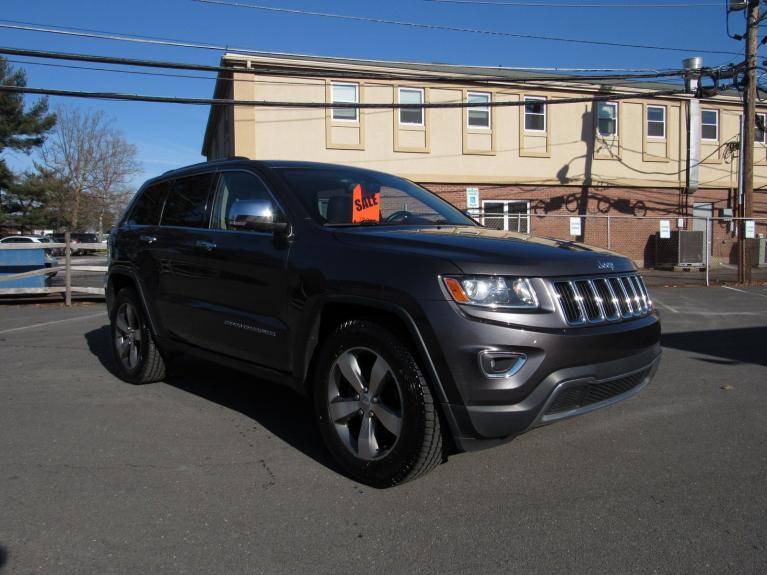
246,293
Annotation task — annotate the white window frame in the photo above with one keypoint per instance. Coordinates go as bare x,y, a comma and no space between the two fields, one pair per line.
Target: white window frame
356,87
487,108
617,119
647,123
545,114
702,124
764,134
422,110
506,216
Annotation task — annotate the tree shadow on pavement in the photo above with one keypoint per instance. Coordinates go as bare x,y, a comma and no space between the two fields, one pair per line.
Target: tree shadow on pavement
741,345
281,411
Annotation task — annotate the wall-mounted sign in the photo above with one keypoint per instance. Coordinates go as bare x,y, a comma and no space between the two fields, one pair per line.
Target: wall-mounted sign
575,226
750,229
472,198
665,229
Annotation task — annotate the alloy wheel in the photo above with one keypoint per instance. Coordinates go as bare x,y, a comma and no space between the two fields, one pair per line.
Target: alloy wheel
128,335
364,402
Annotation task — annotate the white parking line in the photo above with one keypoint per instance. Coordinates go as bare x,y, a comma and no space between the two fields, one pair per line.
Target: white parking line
655,300
34,325
744,291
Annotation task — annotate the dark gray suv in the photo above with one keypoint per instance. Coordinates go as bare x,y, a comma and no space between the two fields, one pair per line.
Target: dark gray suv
415,331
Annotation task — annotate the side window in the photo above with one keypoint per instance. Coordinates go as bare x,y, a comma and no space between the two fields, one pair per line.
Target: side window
148,207
234,187
187,201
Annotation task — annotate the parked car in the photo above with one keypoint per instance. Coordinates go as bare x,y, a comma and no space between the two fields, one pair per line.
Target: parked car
415,331
24,240
50,260
78,238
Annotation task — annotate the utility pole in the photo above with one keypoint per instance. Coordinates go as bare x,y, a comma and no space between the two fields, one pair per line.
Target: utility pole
749,121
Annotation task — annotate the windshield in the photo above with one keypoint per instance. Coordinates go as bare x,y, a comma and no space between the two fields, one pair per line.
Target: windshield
349,197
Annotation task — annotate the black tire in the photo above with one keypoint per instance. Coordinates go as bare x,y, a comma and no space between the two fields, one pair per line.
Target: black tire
147,366
418,447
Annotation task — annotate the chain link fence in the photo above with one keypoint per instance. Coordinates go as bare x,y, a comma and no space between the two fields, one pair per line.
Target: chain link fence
670,250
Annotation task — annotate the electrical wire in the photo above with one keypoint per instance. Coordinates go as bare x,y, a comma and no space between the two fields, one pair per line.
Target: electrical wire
322,105
445,28
293,70
286,82
585,5
155,40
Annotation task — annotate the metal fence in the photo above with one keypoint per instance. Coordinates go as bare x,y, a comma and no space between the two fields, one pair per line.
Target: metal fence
68,268
689,249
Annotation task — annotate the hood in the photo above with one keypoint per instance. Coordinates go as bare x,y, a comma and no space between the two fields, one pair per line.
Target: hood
477,250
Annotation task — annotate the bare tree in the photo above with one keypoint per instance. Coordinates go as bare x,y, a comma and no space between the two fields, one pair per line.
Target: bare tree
93,160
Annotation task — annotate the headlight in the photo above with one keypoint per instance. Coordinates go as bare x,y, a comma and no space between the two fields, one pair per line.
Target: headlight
492,291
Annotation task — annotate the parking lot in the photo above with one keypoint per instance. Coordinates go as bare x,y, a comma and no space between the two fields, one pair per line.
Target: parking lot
214,472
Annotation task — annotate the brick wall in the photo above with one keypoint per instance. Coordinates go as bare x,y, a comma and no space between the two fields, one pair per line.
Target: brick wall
630,233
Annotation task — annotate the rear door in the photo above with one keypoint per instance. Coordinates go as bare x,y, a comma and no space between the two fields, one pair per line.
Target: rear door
137,241
179,250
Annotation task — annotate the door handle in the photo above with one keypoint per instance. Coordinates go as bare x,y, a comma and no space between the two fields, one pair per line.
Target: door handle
148,239
207,246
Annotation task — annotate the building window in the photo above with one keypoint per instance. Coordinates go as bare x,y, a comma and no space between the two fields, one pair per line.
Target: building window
709,125
479,116
345,94
535,114
759,129
411,116
656,121
508,215
607,119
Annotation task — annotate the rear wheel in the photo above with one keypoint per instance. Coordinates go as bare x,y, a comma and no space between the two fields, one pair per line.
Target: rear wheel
374,406
136,355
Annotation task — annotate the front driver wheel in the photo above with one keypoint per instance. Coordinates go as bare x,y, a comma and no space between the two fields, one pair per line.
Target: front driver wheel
374,406
136,355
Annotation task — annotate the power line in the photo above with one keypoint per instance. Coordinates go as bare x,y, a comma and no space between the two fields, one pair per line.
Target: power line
445,28
600,5
293,70
122,71
155,40
294,82
321,105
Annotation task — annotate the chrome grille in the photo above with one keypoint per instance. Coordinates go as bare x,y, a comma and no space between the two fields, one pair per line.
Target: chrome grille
604,299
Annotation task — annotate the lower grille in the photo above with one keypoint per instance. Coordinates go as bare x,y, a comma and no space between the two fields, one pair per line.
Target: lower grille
580,396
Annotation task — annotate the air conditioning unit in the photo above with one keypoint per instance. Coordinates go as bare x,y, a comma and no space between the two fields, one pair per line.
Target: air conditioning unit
760,252
684,249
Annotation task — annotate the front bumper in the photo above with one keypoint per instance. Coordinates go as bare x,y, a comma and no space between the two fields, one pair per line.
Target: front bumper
568,372
563,394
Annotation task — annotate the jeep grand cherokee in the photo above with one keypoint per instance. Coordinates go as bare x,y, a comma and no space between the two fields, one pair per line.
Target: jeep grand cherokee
414,330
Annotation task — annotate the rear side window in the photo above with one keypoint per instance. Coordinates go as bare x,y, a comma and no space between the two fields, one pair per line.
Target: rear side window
187,202
236,187
148,207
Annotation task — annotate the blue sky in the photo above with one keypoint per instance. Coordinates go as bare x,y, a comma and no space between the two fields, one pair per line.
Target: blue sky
169,136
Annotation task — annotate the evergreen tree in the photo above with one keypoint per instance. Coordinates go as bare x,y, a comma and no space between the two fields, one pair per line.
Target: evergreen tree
20,129
36,201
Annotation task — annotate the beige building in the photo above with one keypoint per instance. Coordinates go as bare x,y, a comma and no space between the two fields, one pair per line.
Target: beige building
533,158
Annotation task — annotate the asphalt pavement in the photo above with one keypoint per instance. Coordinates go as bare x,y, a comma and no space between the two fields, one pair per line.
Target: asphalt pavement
215,472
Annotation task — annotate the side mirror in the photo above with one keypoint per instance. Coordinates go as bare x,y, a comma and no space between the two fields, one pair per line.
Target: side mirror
256,215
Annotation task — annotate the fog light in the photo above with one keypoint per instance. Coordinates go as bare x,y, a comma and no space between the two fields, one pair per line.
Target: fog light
501,364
